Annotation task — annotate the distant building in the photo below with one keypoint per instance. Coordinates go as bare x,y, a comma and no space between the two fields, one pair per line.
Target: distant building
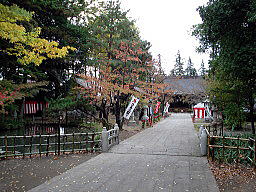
187,91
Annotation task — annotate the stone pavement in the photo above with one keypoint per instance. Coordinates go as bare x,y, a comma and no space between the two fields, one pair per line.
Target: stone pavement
164,158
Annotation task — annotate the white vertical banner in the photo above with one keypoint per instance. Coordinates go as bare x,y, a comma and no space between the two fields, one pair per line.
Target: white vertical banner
62,130
167,105
134,101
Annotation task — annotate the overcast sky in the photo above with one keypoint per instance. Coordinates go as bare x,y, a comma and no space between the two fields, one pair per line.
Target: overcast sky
167,25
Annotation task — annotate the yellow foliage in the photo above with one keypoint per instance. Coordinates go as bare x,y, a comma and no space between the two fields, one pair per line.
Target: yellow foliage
27,46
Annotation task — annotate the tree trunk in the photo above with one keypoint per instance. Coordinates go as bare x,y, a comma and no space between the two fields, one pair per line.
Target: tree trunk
251,114
103,111
118,112
102,120
163,105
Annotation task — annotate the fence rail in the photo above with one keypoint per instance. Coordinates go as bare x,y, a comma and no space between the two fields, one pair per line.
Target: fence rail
216,128
231,149
14,146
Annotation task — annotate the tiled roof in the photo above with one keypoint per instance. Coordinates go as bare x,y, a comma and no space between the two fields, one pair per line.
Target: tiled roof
186,85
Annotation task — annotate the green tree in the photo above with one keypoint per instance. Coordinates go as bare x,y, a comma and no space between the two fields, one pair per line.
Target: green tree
118,50
178,67
59,21
190,70
228,30
202,70
26,45
109,27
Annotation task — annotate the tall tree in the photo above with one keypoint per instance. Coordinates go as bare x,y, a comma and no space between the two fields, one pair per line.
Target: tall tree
27,46
59,21
178,67
202,70
228,30
190,70
110,26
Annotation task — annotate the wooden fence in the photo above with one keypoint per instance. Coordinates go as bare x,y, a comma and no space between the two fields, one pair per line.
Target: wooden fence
14,146
232,149
216,128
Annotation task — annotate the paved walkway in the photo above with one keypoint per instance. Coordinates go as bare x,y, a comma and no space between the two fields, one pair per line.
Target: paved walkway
163,158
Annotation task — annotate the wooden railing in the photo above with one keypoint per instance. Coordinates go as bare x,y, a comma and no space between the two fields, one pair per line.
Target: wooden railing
216,128
15,146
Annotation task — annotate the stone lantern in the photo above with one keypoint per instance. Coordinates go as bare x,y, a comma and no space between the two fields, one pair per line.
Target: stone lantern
145,116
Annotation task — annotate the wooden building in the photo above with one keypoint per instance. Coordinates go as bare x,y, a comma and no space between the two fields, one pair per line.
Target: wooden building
187,91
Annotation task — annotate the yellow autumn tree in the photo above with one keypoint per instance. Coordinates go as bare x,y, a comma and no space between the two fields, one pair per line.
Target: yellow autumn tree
27,46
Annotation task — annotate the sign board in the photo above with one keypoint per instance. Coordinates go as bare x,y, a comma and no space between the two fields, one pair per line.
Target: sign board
134,101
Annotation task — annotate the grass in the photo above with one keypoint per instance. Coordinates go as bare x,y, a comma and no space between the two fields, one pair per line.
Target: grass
197,126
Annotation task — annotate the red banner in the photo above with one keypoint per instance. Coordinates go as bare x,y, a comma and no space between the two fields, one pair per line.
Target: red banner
157,107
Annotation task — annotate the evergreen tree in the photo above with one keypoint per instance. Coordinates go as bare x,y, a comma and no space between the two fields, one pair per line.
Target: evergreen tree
56,19
202,70
172,74
178,67
228,31
109,28
190,70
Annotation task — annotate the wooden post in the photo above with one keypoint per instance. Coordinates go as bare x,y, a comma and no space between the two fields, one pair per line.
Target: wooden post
59,140
14,146
6,146
208,142
223,147
92,143
213,149
238,151
73,142
40,145
86,141
24,146
254,160
47,147
63,140
251,151
80,142
30,145
56,136
59,137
